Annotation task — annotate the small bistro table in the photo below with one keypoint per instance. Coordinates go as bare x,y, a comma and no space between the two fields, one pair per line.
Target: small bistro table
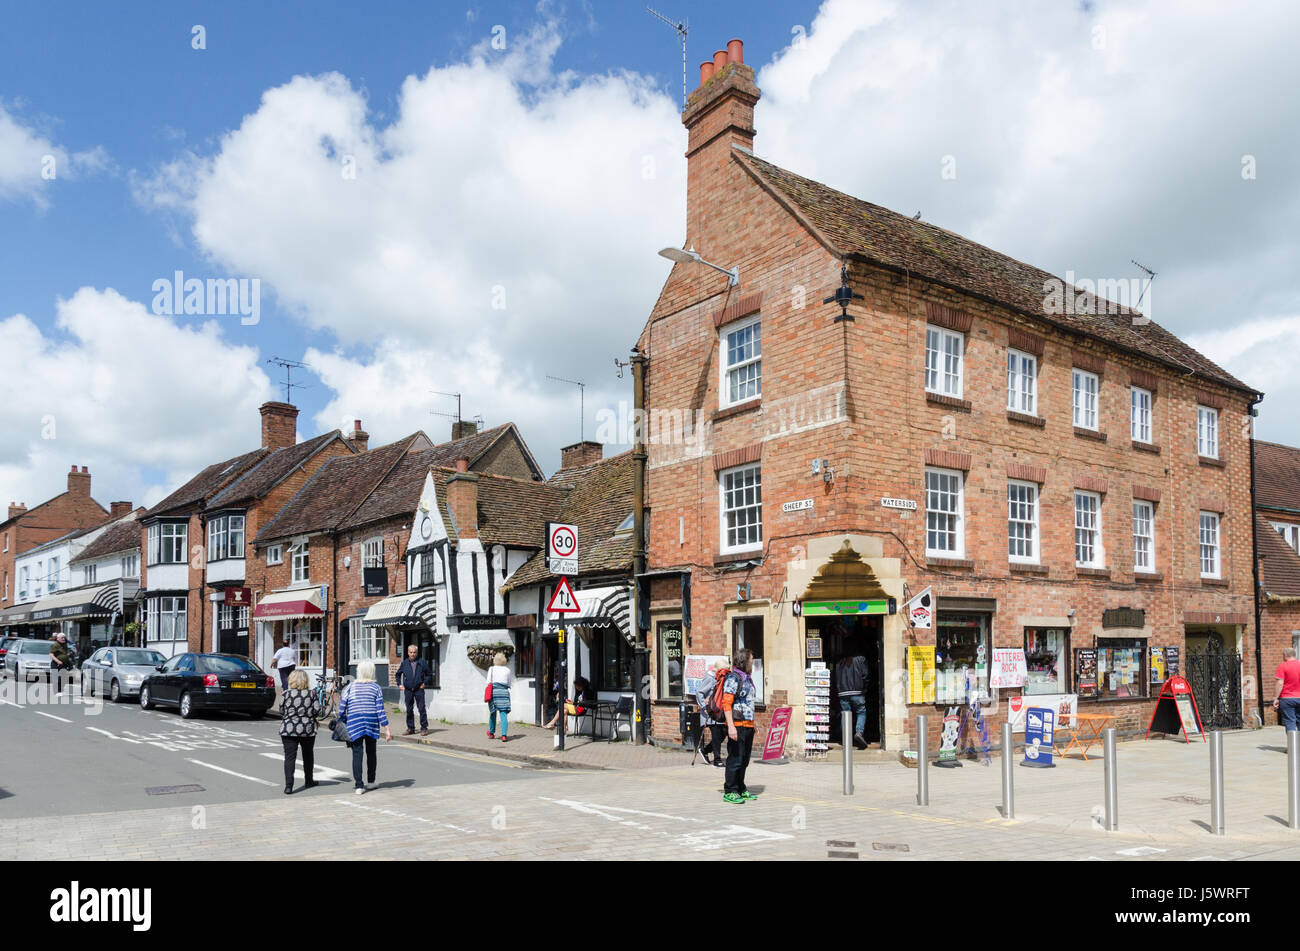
1085,731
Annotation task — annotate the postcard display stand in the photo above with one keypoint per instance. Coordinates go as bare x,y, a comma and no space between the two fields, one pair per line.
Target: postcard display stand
817,710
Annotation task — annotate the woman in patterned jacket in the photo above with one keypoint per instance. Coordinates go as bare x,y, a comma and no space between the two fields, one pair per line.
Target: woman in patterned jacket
298,712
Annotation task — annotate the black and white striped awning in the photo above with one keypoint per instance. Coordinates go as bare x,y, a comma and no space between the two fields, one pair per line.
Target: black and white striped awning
112,596
604,607
413,609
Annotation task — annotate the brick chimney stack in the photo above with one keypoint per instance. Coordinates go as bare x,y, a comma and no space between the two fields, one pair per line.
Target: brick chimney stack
79,482
16,509
279,425
462,500
358,439
719,113
118,509
463,428
581,454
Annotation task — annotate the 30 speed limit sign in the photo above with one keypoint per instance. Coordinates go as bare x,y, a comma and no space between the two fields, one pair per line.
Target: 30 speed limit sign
561,548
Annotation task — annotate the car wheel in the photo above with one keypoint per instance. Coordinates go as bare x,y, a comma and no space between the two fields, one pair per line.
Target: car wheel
115,692
146,699
187,707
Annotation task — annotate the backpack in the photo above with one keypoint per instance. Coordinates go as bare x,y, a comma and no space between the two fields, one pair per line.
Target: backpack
713,704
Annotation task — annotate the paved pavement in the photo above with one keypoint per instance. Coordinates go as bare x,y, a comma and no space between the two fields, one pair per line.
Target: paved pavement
670,811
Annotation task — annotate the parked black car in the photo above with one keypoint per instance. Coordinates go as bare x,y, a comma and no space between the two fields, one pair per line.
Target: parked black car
195,682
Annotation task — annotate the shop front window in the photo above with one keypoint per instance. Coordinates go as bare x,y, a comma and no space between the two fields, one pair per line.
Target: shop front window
747,632
668,638
961,654
1046,650
1121,667
525,653
309,640
614,667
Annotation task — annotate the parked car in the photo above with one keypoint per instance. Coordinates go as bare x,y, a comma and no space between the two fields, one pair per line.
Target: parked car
4,646
195,682
118,671
29,656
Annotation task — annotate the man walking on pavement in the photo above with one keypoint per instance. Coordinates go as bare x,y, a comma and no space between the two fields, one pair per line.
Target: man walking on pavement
1287,702
413,676
851,685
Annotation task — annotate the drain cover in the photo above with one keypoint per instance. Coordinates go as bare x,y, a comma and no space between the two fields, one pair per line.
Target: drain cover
890,847
171,790
1190,800
835,849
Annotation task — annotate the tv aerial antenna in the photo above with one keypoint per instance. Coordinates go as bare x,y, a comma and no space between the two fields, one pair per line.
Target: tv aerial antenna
582,395
1151,276
682,29
289,366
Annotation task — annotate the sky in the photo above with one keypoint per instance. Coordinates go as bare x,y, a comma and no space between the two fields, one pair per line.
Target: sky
434,198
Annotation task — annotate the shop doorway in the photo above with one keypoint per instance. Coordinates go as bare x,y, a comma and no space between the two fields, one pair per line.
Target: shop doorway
547,666
1212,667
841,639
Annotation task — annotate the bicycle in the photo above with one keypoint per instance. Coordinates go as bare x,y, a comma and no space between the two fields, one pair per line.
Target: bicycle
327,693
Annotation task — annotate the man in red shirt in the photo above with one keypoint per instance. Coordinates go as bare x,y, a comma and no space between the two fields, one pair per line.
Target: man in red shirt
1287,703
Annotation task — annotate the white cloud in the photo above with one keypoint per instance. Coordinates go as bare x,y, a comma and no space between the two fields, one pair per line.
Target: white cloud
83,385
30,163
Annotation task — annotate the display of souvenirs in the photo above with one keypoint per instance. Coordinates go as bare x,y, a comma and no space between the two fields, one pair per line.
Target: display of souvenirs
817,710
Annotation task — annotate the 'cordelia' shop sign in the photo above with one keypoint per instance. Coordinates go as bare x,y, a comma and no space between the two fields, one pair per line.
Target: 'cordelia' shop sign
828,608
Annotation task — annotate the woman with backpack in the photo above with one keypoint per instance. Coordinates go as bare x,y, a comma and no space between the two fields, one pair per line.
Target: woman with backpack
738,708
712,748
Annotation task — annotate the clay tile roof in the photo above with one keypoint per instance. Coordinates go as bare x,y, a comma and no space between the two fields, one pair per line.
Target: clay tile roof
514,511
207,483
1279,565
335,491
122,535
886,238
1277,476
269,472
598,499
474,447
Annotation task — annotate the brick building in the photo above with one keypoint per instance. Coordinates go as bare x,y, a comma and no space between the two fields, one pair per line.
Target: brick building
23,529
196,541
1277,511
960,432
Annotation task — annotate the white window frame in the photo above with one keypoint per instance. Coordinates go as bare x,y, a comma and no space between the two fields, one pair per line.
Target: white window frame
1082,516
366,643
55,571
168,539
167,621
754,360
235,536
1144,515
372,552
90,572
24,582
1022,382
1086,402
217,539
724,511
130,566
1022,511
942,379
275,554
1141,405
1207,432
958,515
301,563
1290,533
1211,547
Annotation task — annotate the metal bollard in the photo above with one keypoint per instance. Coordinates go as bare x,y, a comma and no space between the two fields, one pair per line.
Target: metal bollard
1008,789
1216,782
846,735
922,761
1112,784
1293,778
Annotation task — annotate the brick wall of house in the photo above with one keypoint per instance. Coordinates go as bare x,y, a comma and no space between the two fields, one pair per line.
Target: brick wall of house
67,512
875,434
351,590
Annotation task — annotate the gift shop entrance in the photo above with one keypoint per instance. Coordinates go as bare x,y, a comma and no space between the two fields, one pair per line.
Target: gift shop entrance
845,641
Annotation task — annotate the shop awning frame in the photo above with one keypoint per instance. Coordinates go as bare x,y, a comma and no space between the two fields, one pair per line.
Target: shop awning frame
601,607
297,605
411,609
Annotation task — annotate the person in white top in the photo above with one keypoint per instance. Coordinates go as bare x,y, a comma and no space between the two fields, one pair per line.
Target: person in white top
500,679
285,660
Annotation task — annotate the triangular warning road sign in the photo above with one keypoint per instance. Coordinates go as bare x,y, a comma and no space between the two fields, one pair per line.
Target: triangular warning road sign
563,601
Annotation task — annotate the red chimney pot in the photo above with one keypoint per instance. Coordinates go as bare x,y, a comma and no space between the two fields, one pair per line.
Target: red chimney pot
735,51
706,71
720,60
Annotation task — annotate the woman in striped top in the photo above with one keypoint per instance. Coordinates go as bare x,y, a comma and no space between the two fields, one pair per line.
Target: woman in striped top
362,709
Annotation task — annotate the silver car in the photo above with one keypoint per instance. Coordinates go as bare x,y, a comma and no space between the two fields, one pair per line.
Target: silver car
118,671
27,657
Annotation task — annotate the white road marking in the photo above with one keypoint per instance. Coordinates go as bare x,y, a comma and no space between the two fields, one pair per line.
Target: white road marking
51,716
111,736
319,771
231,772
10,703
698,840
1140,851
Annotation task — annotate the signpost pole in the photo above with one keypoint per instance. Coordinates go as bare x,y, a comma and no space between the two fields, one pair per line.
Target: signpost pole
1008,782
922,761
1216,782
1112,788
564,689
1293,778
846,737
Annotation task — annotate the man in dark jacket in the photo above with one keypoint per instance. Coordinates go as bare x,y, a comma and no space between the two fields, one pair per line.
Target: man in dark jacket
851,685
414,676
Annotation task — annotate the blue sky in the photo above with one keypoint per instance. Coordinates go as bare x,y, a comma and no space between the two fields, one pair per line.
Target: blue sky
519,169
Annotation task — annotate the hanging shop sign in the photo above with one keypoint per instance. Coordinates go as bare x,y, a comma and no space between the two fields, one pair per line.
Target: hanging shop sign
920,610
1040,728
829,608
906,505
1064,705
920,674
1009,669
477,622
375,581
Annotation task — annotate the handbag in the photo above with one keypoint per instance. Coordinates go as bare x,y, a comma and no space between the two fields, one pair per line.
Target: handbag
339,730
487,692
